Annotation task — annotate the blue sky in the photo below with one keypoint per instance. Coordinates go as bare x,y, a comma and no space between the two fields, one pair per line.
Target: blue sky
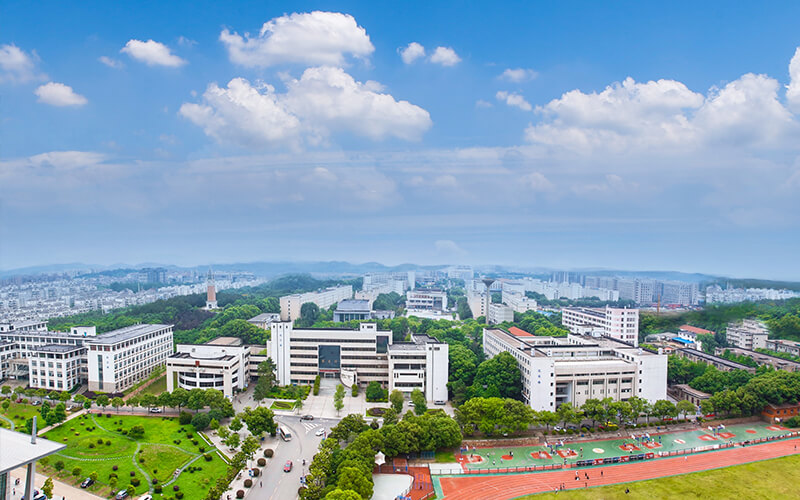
573,134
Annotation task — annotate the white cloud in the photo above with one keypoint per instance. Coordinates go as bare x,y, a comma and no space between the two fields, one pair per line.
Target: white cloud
16,66
67,159
152,53
513,99
793,89
111,63
412,52
518,75
445,56
186,42
323,100
538,183
58,94
480,103
314,38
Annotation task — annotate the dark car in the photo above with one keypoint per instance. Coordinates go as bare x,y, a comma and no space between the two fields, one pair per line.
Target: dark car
87,482
288,466
307,417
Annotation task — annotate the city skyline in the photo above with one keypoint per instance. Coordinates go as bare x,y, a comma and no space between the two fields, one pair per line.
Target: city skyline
568,137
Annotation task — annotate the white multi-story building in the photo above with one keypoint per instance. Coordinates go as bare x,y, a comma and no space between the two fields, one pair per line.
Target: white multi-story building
778,345
749,334
264,320
359,356
577,368
518,301
56,367
120,358
291,304
8,351
614,322
26,338
478,303
222,364
426,300
499,313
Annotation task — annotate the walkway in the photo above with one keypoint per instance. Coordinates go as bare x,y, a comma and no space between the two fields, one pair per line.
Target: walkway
501,487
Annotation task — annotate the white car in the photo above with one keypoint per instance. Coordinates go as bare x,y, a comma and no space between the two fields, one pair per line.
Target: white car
146,497
155,410
319,432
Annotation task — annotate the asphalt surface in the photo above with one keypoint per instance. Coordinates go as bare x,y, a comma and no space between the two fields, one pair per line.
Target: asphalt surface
278,484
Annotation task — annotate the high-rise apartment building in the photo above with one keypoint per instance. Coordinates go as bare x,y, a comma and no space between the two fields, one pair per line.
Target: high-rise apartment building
614,322
291,304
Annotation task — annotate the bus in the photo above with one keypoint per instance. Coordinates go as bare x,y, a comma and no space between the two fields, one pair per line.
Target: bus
284,433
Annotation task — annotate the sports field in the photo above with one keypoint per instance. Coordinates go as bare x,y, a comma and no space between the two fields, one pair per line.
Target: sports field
525,456
590,479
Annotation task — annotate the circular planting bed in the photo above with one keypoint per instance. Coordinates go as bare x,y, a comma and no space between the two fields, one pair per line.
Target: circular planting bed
376,412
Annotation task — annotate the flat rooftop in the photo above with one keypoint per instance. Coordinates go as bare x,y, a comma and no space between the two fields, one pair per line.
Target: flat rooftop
265,317
353,305
188,355
58,348
231,341
16,449
126,333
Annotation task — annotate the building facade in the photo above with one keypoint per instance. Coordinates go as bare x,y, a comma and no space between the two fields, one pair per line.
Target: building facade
223,364
56,367
577,368
291,304
426,300
785,346
120,358
518,301
614,322
359,356
749,334
498,313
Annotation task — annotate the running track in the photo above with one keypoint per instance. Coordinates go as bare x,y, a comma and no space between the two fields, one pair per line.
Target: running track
507,486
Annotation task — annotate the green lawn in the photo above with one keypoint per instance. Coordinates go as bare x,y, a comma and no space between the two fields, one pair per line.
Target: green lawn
770,479
445,456
196,484
282,405
165,447
19,413
157,387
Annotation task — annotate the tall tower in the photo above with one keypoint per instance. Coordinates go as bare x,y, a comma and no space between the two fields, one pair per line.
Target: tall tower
211,291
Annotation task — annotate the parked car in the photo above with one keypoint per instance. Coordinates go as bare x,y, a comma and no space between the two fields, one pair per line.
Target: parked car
319,432
156,410
288,466
557,428
122,495
36,403
146,497
37,495
307,417
87,482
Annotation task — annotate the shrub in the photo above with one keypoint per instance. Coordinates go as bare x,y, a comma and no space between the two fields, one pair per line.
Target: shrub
116,467
175,487
194,442
76,471
141,460
108,442
207,457
59,465
112,475
91,445
185,418
248,483
202,449
793,421
268,452
239,493
179,495
155,481
135,481
133,473
261,462
99,441
157,488
256,472
354,390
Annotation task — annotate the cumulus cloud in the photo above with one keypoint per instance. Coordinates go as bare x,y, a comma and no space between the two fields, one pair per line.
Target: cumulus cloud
444,56
518,75
538,183
17,66
322,100
152,53
665,114
111,63
314,38
793,89
412,52
513,99
58,94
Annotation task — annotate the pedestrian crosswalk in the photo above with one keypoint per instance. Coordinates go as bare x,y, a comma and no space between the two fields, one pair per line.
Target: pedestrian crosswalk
310,426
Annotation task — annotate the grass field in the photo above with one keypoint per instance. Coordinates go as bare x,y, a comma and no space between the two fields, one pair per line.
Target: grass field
445,456
770,479
19,413
98,443
282,405
156,387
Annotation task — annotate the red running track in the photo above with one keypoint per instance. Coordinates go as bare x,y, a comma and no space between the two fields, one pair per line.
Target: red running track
507,486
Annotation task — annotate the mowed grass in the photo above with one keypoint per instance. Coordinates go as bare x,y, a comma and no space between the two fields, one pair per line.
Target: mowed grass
196,484
19,413
768,479
156,387
282,405
166,446
445,456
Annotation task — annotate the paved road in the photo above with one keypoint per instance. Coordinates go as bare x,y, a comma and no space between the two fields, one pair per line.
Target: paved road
303,445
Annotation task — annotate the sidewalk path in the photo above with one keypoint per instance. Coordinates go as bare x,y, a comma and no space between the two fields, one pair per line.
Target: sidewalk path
59,489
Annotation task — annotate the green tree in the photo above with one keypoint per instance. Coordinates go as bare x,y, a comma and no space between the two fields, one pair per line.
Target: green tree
396,399
707,407
500,376
198,399
249,447
684,407
223,433
102,401
5,390
179,398
353,478
309,313
547,418
232,441
340,494
375,392
136,432
148,400
164,400
259,420
47,487
132,402
236,424
338,398
492,416
64,397
566,413
419,402
214,424
266,379
131,490
663,408
116,403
